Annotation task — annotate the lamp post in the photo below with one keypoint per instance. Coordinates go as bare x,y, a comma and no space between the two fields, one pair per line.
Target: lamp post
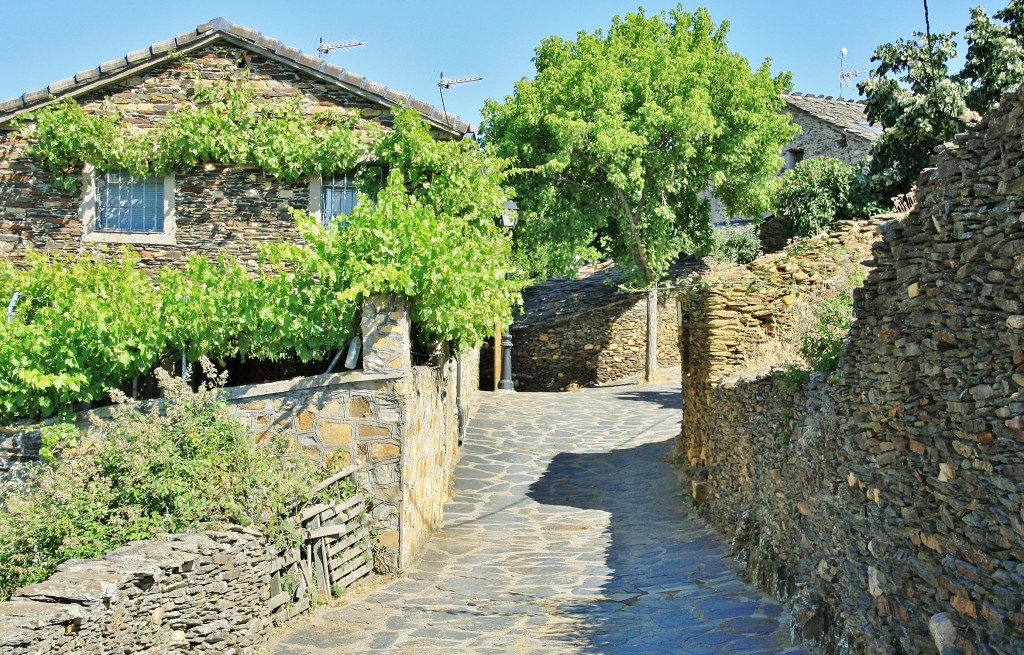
509,217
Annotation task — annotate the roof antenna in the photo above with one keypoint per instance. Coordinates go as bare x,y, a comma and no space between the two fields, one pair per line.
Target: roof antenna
326,48
846,73
447,83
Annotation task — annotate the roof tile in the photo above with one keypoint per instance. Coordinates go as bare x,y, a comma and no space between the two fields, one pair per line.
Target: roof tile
246,33
205,27
35,95
61,85
138,55
267,42
87,75
373,87
10,104
334,70
355,79
186,37
309,60
162,46
288,51
421,106
396,96
113,65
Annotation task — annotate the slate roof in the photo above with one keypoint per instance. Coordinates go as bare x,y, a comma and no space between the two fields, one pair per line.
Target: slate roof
847,115
595,286
220,29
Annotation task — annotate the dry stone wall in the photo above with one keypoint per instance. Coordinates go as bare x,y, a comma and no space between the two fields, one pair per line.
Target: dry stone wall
891,508
401,424
187,593
594,346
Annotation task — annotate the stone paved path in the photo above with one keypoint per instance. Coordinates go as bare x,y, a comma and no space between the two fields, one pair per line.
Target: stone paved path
567,534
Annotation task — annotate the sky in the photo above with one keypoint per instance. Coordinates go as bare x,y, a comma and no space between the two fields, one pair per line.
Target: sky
410,44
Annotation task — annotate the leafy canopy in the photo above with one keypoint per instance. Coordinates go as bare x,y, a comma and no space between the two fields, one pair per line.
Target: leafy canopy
818,191
621,135
921,103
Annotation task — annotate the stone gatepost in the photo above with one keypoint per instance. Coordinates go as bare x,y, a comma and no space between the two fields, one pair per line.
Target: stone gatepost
387,335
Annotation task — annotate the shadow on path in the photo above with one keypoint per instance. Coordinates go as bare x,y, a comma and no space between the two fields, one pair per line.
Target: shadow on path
670,591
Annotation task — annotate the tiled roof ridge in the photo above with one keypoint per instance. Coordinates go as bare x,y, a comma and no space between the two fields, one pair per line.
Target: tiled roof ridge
824,97
92,77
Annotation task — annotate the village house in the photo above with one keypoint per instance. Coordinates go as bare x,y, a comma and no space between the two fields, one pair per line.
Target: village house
209,208
830,127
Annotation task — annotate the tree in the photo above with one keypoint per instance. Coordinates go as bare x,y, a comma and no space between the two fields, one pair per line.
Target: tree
622,137
917,99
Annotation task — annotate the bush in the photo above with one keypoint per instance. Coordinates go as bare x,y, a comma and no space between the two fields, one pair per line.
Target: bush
146,473
813,336
85,325
820,190
737,245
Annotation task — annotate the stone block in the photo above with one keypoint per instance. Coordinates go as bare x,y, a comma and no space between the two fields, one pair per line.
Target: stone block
383,450
334,433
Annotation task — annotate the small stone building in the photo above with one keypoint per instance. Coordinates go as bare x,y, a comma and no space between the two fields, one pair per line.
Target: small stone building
830,127
586,331
208,208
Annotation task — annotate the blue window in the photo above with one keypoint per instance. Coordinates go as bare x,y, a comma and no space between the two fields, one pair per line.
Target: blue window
338,197
129,204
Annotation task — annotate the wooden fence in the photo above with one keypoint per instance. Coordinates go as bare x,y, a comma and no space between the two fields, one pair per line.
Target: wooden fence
336,552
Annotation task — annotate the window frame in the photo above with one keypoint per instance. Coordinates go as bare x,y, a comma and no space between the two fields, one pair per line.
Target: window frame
316,194
89,214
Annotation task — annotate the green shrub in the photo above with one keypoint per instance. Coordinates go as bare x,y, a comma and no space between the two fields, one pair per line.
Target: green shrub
820,190
823,345
737,245
85,325
146,473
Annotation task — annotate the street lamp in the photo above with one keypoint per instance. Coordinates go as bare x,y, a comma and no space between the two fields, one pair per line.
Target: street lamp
509,218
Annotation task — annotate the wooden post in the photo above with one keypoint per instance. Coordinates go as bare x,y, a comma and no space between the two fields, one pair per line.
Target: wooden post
497,354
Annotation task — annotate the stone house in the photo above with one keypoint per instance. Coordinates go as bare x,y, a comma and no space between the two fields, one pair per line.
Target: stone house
208,208
830,127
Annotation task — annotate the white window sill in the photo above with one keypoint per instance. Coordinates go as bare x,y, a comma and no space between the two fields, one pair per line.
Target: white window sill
156,238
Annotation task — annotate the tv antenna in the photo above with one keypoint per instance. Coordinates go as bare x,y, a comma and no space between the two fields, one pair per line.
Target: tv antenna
847,74
325,48
448,82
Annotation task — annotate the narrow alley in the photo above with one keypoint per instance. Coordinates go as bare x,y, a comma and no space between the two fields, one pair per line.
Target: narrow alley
566,534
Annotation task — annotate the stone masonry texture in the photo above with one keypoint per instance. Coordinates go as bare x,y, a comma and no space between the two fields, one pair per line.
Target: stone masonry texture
586,331
888,505
187,593
565,535
218,208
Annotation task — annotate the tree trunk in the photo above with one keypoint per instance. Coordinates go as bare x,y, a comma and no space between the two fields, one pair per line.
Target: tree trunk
651,368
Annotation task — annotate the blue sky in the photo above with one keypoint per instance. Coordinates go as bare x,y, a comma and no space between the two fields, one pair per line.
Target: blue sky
409,44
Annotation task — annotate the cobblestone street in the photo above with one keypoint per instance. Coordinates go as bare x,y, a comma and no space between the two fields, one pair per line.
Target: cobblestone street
566,534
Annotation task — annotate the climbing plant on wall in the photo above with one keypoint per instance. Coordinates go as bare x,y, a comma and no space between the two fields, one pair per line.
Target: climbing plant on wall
428,229
226,122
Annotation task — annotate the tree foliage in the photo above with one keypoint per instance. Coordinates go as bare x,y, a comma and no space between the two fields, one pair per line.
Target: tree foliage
817,192
920,102
621,135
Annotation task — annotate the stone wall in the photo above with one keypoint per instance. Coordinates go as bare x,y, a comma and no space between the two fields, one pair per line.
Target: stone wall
186,593
400,423
890,509
218,208
594,346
